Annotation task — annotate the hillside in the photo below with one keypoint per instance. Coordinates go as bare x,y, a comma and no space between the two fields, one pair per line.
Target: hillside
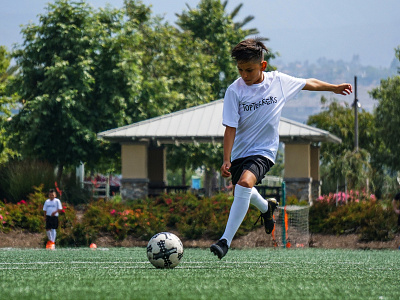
308,103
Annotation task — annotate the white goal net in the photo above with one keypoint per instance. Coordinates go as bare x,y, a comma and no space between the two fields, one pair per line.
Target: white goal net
291,227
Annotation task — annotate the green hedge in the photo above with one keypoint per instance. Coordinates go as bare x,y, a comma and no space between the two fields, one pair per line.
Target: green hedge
373,220
187,214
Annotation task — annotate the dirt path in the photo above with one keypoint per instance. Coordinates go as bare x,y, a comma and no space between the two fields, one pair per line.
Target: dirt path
257,238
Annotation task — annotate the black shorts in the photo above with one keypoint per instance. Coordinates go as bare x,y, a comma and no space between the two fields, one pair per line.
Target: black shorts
256,164
51,222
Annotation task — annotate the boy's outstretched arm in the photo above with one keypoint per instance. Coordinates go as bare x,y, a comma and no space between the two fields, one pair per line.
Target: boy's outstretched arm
313,84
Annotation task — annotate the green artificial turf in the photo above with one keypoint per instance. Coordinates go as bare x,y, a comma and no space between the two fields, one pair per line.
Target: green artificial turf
125,273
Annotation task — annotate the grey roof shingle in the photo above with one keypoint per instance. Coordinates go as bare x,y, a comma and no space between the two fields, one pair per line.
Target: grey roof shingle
203,123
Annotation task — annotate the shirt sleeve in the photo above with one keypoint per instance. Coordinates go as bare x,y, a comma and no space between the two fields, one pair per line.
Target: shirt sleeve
59,204
291,86
230,113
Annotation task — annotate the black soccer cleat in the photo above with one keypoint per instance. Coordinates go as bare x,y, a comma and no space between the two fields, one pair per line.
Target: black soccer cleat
220,248
267,217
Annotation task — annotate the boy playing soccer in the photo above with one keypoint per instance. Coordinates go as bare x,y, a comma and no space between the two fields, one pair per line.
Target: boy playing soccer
251,114
51,207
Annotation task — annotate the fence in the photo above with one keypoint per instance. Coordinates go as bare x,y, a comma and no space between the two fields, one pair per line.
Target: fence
98,189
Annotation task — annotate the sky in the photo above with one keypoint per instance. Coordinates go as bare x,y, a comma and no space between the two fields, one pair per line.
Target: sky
299,30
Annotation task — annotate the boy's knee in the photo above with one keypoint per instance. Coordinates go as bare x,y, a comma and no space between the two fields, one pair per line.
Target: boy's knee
245,183
247,179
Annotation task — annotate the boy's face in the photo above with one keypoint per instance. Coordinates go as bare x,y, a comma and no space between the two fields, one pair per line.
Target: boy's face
52,195
251,72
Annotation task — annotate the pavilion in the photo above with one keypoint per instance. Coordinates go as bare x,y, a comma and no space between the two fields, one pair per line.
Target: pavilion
144,156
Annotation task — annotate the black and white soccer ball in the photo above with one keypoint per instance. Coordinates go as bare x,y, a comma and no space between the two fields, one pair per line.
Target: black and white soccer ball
165,250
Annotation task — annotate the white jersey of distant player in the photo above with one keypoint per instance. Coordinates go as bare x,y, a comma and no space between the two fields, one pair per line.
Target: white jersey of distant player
51,206
255,112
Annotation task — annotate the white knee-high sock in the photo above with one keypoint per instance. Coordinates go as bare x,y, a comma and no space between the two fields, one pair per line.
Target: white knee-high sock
53,235
240,205
48,232
258,201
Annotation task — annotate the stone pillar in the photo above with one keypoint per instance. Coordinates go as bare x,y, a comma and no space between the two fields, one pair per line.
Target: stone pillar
298,171
299,187
134,188
134,183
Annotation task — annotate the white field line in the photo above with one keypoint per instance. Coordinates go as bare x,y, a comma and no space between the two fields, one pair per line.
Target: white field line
182,262
197,264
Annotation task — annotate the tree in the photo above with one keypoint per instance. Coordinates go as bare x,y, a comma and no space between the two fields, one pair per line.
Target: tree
7,103
176,73
244,22
74,82
339,162
194,156
387,120
213,25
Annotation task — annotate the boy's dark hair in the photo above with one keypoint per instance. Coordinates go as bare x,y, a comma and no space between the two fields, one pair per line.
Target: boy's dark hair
249,50
52,190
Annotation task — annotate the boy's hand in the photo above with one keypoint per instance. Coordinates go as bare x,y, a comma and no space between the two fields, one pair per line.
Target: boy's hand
225,169
343,89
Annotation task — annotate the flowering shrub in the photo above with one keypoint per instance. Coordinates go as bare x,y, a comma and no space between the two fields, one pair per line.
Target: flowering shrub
122,220
197,217
342,198
28,214
192,217
355,212
25,214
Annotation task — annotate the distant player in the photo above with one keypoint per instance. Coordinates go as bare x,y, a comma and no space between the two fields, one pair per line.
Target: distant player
51,207
251,114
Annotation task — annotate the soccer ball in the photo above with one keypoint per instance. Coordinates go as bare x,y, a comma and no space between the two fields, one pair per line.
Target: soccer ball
165,250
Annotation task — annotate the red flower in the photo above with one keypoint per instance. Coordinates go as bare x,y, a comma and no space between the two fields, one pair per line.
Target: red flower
94,181
58,190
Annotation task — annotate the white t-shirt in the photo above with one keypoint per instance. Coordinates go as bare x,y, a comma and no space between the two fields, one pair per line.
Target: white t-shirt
255,112
51,206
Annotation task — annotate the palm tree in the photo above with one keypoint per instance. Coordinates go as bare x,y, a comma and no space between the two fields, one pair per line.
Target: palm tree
7,103
244,22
